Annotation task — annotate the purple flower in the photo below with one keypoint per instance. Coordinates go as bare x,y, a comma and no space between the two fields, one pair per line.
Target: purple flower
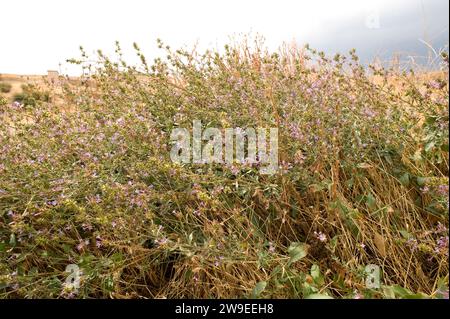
82,244
412,243
441,228
442,245
17,104
435,84
320,236
98,241
52,203
86,226
369,113
358,296
425,189
443,190
295,132
271,247
162,241
444,294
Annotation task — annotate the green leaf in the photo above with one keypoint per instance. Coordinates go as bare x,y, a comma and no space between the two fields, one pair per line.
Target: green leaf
371,202
12,239
315,271
317,276
297,251
405,234
259,288
407,294
404,179
421,181
430,120
388,292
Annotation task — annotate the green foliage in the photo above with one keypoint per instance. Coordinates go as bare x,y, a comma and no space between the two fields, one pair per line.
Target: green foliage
5,87
31,95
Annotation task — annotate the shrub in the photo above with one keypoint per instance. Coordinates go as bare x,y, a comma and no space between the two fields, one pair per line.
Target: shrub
361,181
31,95
5,87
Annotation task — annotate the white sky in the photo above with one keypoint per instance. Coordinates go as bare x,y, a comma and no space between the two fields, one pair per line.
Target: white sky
38,34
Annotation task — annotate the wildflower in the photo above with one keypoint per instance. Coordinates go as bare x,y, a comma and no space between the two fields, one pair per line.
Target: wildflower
299,158
86,227
234,170
217,190
52,203
320,236
71,295
412,243
357,295
285,167
271,247
442,245
435,84
82,244
162,241
369,113
295,131
17,104
441,228
425,189
443,293
443,190
98,241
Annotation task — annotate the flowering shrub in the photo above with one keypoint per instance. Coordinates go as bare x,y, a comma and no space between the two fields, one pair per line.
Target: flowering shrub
363,180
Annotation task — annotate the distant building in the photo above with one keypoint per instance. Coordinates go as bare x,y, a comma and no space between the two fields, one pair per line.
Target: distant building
52,76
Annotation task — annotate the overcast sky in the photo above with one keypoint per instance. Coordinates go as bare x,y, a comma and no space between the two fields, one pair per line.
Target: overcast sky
38,35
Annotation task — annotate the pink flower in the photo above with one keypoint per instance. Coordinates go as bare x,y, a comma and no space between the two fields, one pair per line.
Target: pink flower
425,189
271,247
320,236
162,241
